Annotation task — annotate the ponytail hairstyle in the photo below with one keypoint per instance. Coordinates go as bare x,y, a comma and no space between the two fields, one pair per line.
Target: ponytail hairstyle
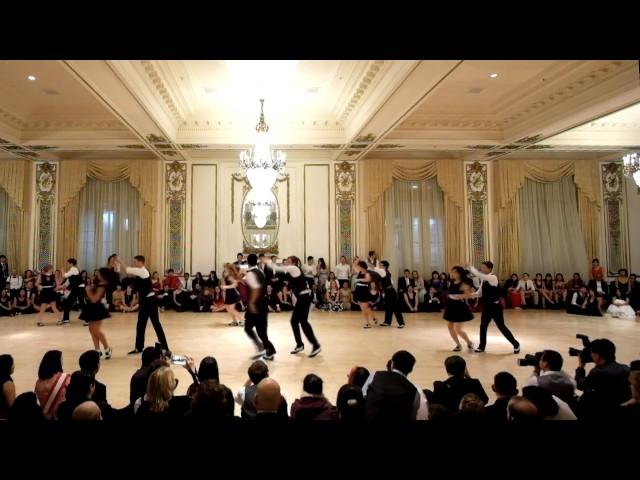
464,274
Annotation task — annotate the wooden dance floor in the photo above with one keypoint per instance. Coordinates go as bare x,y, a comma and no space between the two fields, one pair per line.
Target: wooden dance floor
344,344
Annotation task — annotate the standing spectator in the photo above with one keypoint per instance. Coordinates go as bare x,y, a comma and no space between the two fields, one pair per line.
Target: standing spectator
4,270
343,270
310,271
596,269
323,274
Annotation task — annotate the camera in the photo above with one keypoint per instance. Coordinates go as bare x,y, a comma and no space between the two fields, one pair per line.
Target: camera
585,353
179,360
530,360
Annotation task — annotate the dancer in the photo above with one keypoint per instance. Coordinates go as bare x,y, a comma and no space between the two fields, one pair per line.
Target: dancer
391,304
148,305
300,316
457,311
94,311
257,310
48,298
491,307
75,287
361,294
231,276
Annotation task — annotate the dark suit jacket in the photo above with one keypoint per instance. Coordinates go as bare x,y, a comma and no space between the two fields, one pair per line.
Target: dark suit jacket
603,284
450,392
498,411
100,393
403,285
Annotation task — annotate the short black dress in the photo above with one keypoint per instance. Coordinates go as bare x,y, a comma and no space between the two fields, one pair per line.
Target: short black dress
95,312
457,310
361,293
231,295
48,293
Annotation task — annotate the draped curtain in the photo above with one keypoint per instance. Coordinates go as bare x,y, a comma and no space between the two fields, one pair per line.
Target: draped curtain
414,216
143,175
449,175
551,235
510,177
15,180
108,222
4,220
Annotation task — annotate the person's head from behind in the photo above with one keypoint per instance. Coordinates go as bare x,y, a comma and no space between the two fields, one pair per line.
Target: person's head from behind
50,365
522,410
358,376
80,388
258,371
403,361
160,388
86,412
455,366
550,361
542,399
25,408
209,369
361,266
471,403
603,351
90,361
139,261
486,267
268,396
252,260
6,365
438,412
209,400
312,385
350,403
505,385
150,354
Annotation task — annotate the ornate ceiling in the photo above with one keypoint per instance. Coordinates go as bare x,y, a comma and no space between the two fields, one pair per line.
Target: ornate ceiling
353,109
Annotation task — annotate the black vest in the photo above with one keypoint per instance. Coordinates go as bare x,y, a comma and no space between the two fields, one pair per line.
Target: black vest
74,281
490,294
143,286
385,282
390,398
297,284
47,281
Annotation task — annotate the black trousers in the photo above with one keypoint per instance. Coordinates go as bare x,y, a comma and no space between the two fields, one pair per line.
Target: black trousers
258,321
392,306
76,293
493,311
149,311
300,318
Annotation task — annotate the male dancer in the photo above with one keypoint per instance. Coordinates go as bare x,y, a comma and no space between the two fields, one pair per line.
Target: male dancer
491,306
76,289
257,310
391,304
300,316
148,306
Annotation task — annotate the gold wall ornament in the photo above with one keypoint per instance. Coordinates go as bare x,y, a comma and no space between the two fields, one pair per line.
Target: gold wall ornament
477,218
176,180
476,176
46,179
345,191
345,180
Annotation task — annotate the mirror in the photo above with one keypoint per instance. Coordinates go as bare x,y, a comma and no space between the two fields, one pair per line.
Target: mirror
260,221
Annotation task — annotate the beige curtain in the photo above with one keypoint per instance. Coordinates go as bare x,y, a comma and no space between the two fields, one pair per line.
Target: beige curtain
141,174
15,180
510,176
378,177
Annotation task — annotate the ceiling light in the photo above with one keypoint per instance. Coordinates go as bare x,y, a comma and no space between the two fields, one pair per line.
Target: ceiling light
31,77
493,75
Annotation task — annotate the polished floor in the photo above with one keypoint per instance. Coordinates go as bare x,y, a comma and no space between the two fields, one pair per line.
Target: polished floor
344,344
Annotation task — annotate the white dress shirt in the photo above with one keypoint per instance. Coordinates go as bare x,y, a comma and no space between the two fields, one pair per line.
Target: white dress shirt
490,278
141,272
343,271
526,285
420,405
15,283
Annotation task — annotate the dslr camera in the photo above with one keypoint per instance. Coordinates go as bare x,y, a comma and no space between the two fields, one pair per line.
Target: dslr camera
585,353
530,360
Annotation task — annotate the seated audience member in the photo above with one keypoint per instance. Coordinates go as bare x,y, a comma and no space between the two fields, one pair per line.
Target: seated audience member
549,375
538,284
171,280
358,376
117,299
197,280
212,281
420,287
631,408
138,384
156,283
620,288
505,386
80,389
331,278
390,396
271,298
528,293
159,401
7,387
285,300
547,291
431,301
88,411
606,386
268,401
601,289
205,300
332,298
245,397
52,383
193,296
405,281
560,289
350,404
186,282
313,405
522,410
317,300
549,406
180,299
90,364
575,284
445,282
410,304
25,409
208,370
438,413
209,402
512,292
435,280
471,408
346,296
6,304
23,303
129,301
164,298
450,392
15,282
584,302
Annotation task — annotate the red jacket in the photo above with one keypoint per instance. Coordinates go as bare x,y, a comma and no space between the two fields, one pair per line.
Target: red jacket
171,281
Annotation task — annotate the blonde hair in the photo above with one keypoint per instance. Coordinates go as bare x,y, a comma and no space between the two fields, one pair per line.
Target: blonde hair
162,383
232,270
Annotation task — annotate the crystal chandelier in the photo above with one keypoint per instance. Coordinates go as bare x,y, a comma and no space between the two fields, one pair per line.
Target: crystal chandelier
632,167
261,164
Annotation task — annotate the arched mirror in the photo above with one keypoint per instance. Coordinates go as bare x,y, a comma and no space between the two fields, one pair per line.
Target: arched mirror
260,221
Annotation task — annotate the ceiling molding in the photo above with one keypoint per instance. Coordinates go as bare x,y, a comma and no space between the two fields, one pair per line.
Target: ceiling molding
163,91
12,119
361,88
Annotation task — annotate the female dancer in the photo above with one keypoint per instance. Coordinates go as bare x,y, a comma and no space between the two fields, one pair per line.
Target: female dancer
361,293
457,311
94,311
231,294
48,296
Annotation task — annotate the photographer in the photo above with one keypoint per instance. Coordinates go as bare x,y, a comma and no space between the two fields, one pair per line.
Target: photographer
549,375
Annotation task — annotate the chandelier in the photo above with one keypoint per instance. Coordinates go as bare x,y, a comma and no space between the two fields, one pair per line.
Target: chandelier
261,164
632,167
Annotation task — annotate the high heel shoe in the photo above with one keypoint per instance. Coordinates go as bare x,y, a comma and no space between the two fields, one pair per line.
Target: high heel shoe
367,326
458,348
470,346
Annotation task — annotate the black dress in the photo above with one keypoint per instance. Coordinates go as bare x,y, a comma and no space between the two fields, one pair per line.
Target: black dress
361,293
95,312
48,293
457,310
231,295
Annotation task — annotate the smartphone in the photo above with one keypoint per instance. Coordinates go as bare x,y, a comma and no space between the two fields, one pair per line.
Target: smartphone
179,360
